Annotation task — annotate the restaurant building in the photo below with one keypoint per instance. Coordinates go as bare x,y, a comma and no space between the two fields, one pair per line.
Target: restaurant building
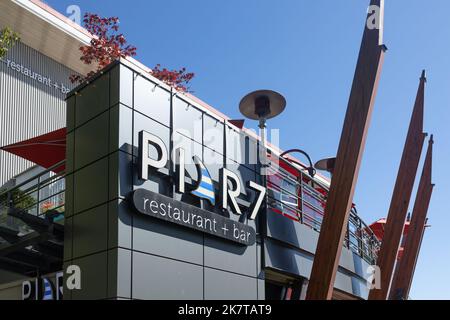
148,192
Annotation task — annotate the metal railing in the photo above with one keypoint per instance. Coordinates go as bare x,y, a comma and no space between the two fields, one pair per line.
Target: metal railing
299,199
39,195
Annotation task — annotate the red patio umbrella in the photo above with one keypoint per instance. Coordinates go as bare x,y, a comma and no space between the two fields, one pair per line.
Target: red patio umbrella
378,228
46,150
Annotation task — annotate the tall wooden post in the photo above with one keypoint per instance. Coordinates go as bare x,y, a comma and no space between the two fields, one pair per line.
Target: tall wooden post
401,196
402,280
348,159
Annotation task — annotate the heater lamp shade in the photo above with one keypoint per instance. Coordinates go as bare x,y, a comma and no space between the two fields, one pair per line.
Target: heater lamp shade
248,108
326,164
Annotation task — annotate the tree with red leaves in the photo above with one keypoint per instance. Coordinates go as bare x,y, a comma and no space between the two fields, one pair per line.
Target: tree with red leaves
179,79
108,45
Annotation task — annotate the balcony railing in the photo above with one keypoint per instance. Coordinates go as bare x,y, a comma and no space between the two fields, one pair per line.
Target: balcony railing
302,199
41,196
31,224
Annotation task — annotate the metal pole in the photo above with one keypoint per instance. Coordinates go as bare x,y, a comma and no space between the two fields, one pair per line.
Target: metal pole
263,154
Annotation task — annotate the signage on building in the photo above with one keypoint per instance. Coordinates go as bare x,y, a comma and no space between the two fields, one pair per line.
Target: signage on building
168,209
28,72
43,288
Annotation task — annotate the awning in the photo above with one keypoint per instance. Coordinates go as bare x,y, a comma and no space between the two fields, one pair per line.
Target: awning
46,150
378,228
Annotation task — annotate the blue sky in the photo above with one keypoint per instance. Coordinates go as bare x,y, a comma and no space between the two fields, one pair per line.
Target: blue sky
307,50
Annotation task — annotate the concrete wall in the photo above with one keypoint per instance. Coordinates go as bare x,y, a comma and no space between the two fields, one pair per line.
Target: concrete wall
126,255
28,107
11,290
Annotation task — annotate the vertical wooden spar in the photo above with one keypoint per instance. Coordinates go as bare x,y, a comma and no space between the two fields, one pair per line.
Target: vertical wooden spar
401,196
348,159
408,288
405,271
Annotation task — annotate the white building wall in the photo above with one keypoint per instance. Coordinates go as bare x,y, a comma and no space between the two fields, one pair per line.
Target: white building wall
30,104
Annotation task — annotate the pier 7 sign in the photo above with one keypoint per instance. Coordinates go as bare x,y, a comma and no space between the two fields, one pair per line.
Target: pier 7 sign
168,209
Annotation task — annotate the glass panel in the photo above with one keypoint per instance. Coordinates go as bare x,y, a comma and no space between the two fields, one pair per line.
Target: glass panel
214,134
213,162
191,149
283,189
144,123
52,196
187,120
151,100
241,148
312,217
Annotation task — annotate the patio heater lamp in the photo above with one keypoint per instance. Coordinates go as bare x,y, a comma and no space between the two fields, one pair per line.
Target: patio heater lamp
326,165
311,169
262,105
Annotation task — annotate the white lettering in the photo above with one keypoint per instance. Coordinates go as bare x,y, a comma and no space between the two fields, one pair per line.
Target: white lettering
189,310
176,214
162,208
259,200
145,139
181,167
27,290
225,176
33,75
374,277
74,13
74,279
230,182
154,206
